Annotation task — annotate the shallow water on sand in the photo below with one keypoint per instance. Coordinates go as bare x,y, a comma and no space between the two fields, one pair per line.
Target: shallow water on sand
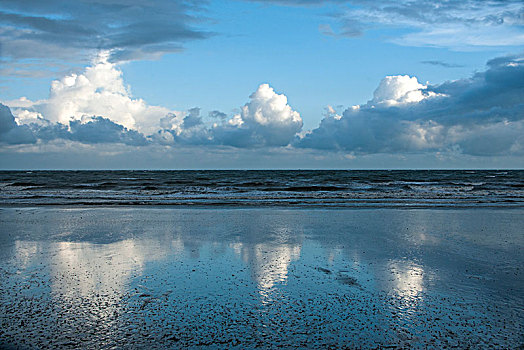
157,278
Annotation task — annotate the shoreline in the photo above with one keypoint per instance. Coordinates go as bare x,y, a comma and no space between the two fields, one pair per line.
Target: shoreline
264,207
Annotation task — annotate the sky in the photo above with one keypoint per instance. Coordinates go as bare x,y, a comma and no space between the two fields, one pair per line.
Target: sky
275,84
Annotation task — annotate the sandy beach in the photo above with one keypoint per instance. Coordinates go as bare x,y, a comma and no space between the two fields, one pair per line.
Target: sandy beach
261,174
245,278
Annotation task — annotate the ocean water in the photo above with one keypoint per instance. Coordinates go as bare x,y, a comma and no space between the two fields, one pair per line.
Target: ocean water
286,188
259,259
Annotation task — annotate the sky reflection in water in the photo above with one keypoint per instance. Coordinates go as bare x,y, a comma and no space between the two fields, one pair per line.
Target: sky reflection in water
280,277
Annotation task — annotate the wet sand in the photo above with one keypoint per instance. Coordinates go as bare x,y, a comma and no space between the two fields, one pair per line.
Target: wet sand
245,278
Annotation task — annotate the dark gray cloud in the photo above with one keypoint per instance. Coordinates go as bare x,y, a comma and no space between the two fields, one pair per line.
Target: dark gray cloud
217,115
192,118
7,120
442,64
482,115
103,130
96,130
347,29
189,129
12,133
298,2
68,29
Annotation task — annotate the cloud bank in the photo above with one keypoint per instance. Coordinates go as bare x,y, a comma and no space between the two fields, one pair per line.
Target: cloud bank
91,130
482,115
96,107
267,120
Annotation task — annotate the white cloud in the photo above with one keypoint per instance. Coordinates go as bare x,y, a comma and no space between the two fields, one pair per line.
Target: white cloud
458,25
266,120
269,108
97,101
400,89
98,91
480,116
461,37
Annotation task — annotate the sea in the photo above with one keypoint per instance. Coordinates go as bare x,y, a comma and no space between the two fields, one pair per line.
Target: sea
294,259
266,188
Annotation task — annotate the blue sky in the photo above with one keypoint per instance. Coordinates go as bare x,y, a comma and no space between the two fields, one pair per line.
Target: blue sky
253,84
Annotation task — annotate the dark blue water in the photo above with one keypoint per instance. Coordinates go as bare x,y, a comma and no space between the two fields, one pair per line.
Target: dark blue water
288,188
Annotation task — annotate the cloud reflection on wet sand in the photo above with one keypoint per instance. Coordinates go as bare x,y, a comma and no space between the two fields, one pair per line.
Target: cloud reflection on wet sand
368,278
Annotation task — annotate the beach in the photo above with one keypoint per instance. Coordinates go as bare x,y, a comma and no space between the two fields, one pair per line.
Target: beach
103,277
261,174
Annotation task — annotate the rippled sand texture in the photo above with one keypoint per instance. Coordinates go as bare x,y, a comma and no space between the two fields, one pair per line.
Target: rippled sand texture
220,278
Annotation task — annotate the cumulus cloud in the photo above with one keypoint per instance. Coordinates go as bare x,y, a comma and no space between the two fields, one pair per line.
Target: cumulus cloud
10,131
98,91
192,118
95,107
60,29
89,130
452,24
482,115
266,120
183,128
89,107
398,90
